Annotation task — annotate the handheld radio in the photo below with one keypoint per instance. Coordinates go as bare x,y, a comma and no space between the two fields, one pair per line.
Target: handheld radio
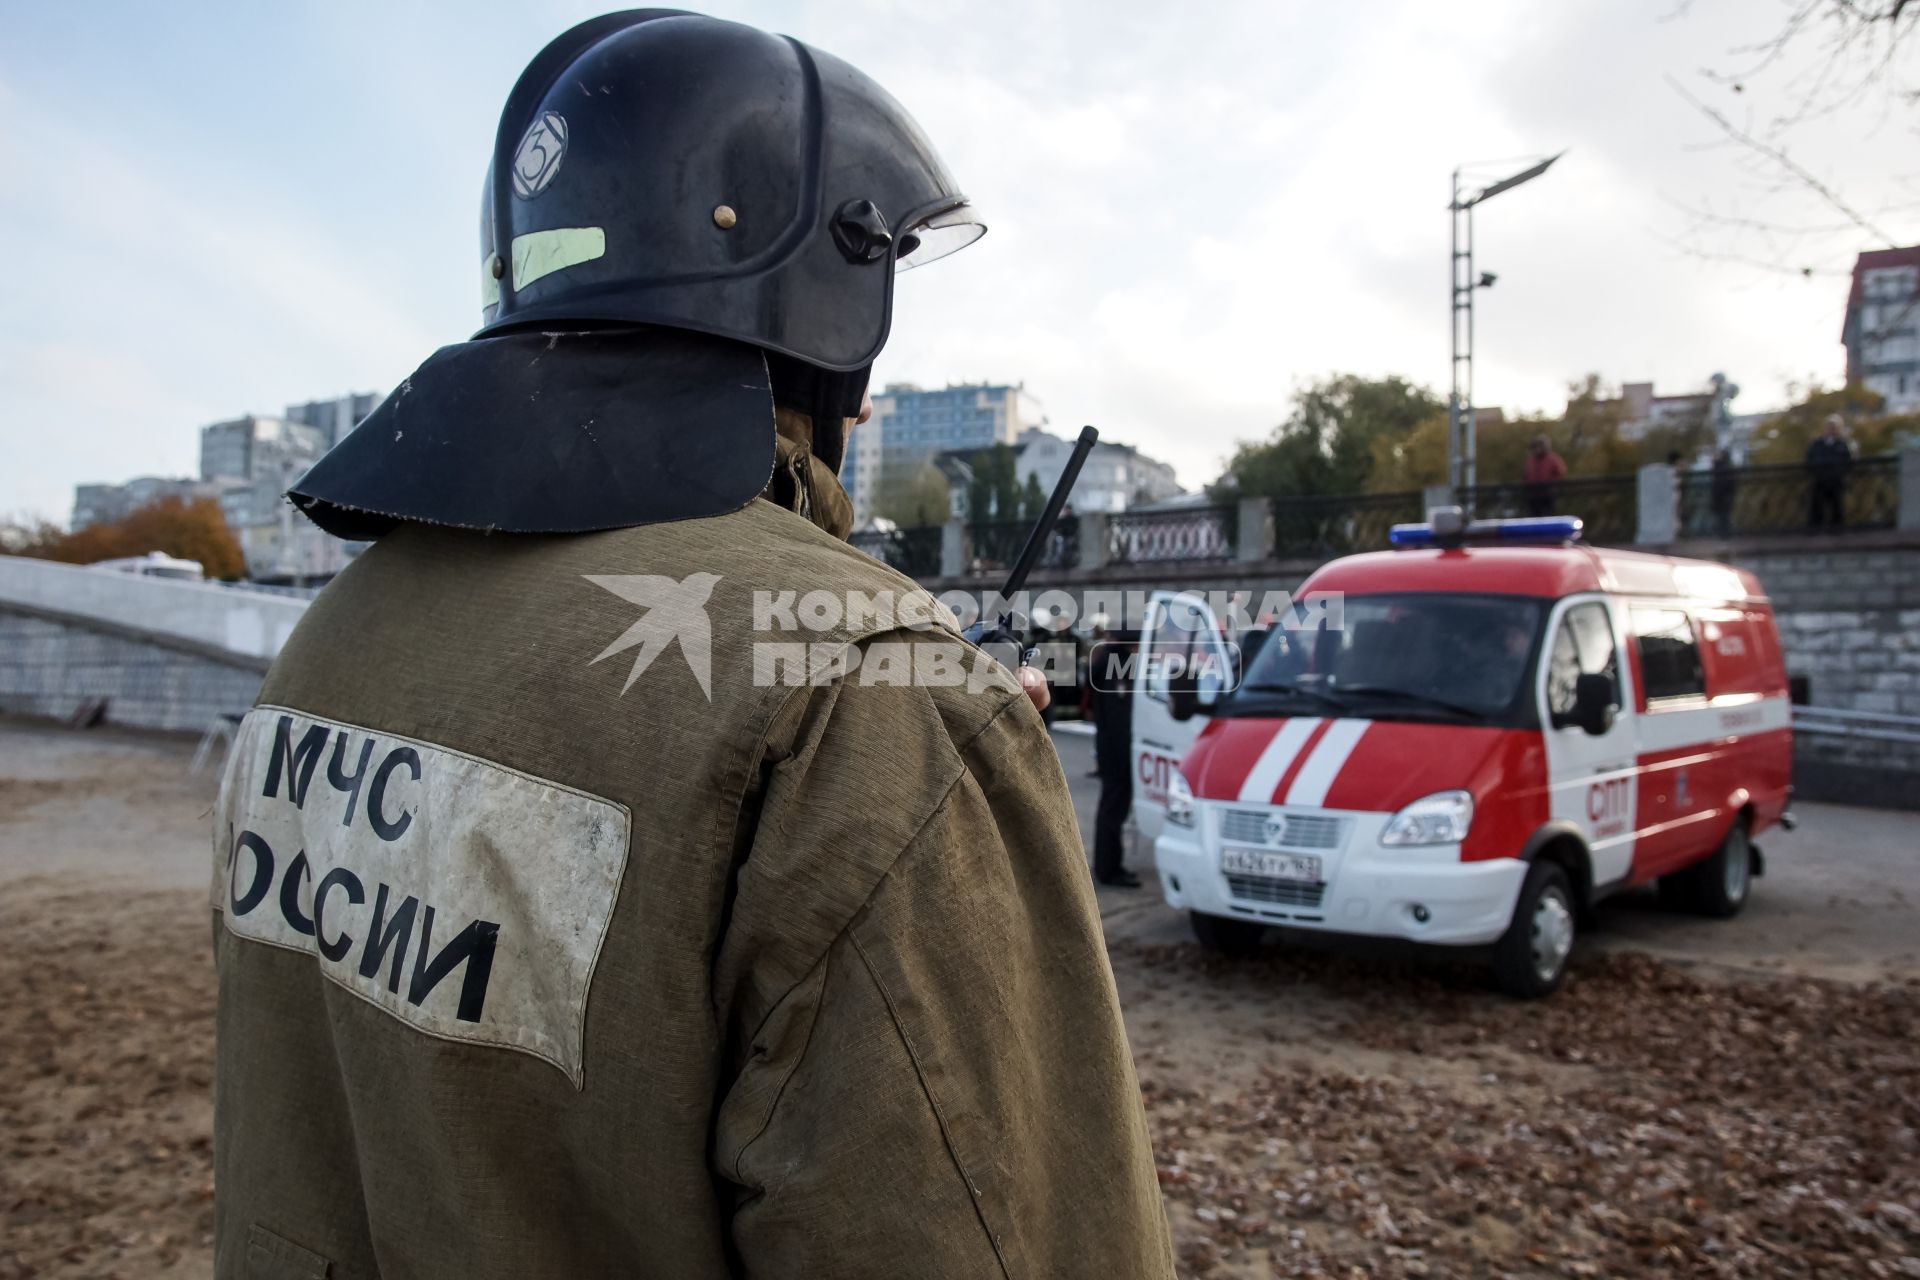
997,636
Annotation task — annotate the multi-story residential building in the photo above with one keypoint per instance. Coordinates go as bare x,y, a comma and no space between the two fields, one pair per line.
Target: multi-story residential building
334,418
250,447
1114,477
912,425
254,459
248,464
1641,411
98,503
1882,330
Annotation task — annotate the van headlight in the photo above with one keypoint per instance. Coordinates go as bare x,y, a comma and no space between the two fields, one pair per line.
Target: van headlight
1179,801
1441,818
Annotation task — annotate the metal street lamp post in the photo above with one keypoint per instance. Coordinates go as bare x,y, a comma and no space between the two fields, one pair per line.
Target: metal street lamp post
1461,436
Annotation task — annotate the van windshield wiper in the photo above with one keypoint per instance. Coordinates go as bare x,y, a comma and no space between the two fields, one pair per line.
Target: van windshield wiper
1408,695
1325,699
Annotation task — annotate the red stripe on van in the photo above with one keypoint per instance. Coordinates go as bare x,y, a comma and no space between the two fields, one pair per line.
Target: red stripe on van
1299,762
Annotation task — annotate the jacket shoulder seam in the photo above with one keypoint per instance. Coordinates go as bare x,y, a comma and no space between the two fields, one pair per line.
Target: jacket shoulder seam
845,930
974,1194
780,1091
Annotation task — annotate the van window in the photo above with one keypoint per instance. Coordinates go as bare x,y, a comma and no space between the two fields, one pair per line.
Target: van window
1669,655
1175,631
1583,646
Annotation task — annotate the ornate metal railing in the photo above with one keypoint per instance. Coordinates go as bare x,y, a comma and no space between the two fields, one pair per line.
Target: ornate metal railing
1195,533
1781,499
914,552
996,544
1756,500
1353,522
1609,505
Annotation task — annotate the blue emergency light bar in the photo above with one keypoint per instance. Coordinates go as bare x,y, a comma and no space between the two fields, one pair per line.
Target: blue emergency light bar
1448,527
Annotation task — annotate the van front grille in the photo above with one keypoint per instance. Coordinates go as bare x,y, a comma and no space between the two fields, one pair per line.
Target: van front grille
1285,893
1299,830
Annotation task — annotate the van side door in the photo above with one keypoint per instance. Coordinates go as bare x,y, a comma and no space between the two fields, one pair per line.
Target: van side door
1180,632
1592,778
1676,740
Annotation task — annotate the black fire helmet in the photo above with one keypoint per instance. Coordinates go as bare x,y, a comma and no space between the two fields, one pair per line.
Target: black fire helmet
685,221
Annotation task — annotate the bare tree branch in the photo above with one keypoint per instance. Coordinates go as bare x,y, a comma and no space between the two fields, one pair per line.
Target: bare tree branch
1778,155
1778,268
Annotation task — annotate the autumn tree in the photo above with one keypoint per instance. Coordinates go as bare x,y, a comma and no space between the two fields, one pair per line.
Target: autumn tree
1785,436
1586,435
190,530
24,535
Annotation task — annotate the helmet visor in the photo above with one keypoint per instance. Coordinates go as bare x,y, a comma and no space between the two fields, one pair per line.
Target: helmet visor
938,235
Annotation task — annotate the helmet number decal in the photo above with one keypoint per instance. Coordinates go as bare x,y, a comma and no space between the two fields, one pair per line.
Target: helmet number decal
537,159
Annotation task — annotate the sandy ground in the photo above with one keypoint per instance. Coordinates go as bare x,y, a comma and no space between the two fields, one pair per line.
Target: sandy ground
1703,1099
106,1031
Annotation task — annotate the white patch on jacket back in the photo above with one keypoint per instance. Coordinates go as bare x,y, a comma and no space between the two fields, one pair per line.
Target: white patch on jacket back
466,899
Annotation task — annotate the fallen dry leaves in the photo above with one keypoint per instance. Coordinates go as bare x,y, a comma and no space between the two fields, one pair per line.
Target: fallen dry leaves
1644,1122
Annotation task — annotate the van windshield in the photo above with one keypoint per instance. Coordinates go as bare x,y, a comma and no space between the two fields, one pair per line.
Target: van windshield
1405,656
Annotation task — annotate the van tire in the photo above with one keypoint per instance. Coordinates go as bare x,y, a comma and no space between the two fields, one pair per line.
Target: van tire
1235,939
1541,932
1720,885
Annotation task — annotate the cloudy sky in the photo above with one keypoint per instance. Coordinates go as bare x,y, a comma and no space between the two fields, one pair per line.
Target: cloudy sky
214,209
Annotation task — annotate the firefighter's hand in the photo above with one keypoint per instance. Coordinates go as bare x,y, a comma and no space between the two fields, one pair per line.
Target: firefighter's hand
1035,683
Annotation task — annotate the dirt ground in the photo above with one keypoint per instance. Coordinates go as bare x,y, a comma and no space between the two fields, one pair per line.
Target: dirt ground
1315,1112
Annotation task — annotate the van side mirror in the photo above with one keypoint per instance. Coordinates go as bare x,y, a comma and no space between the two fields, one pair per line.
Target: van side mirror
1183,695
1194,690
1593,704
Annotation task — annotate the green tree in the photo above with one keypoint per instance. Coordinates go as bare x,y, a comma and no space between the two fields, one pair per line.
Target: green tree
919,498
1410,461
1329,442
994,493
1033,499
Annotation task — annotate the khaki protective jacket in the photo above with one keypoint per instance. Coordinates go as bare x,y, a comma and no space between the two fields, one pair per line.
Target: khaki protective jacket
564,929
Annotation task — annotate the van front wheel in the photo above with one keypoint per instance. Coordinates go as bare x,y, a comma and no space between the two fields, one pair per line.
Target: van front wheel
1236,939
1530,959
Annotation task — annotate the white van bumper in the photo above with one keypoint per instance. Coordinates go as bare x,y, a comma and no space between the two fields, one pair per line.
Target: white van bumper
1422,893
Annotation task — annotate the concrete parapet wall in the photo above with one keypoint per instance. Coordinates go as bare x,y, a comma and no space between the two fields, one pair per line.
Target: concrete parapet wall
61,665
233,619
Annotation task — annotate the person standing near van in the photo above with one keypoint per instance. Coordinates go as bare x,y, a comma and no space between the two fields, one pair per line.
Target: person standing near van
1722,488
1110,665
1542,476
559,933
1829,458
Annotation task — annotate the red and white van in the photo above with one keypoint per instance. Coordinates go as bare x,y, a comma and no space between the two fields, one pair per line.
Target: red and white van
1493,737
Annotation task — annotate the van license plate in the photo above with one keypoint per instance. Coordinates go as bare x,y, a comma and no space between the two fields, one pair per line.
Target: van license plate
1270,866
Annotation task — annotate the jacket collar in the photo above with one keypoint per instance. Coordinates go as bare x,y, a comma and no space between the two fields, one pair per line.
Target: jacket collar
802,483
